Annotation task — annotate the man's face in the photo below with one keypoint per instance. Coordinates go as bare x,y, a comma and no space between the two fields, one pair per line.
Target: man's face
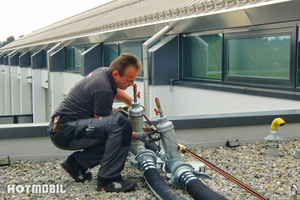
123,82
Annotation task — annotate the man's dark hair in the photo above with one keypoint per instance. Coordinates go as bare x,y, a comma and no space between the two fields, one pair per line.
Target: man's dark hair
123,61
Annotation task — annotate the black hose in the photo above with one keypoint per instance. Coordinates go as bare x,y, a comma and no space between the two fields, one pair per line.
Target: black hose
200,191
195,188
152,146
159,187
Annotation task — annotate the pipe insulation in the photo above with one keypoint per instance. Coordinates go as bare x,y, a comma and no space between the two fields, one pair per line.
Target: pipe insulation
146,45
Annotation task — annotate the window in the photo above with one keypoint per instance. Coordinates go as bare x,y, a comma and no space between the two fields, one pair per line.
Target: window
202,57
73,56
298,59
135,49
109,53
259,57
70,58
77,55
45,62
1,59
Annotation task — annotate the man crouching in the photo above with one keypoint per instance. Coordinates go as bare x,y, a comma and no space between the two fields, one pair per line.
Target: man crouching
83,121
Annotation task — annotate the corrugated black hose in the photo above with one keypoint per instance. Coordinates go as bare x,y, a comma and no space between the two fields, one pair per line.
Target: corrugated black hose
159,187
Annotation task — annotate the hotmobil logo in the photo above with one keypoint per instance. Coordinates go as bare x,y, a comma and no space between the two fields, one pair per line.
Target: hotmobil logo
45,188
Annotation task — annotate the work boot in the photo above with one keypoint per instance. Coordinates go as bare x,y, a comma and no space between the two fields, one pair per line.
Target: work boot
117,186
75,170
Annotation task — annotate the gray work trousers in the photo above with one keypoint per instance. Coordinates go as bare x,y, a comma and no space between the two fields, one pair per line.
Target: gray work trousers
105,141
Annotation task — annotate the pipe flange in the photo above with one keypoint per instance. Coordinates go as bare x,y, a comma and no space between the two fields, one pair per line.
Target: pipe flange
164,125
172,164
136,110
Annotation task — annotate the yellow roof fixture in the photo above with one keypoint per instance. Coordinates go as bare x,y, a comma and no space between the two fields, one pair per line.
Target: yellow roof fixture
277,122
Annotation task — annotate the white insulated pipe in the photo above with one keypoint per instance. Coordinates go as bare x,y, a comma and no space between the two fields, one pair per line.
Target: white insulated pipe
146,46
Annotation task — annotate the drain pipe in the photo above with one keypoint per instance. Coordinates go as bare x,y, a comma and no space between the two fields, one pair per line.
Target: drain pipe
146,62
182,174
145,159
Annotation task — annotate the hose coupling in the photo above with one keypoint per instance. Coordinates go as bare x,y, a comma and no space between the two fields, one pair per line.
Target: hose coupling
146,159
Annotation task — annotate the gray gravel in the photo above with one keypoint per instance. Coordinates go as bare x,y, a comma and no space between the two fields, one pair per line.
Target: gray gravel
271,177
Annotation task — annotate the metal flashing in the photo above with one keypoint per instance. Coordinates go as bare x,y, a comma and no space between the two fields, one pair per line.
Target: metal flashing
106,18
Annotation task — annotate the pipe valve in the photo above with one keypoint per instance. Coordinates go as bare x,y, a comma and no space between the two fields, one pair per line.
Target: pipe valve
135,93
158,107
156,111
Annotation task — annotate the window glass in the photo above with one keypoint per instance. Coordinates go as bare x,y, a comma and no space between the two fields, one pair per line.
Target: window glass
298,60
259,57
135,49
109,53
1,59
45,58
77,55
202,57
70,61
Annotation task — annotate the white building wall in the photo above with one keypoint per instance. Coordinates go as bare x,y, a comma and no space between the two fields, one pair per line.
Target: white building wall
25,91
7,91
60,85
2,89
175,100
69,80
39,87
180,101
192,101
15,91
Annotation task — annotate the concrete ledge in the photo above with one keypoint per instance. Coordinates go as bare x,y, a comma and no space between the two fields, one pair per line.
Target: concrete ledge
31,141
36,148
9,131
233,119
180,122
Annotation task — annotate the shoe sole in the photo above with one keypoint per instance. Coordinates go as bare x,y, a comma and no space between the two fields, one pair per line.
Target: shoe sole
66,168
125,189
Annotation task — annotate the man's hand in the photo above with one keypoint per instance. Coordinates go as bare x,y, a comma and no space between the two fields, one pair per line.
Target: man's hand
144,136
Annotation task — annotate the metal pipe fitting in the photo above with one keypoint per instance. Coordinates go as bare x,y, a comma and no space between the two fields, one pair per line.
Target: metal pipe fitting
136,112
146,159
182,173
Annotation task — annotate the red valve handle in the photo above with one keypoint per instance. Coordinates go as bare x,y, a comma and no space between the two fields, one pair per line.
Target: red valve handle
156,112
139,95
